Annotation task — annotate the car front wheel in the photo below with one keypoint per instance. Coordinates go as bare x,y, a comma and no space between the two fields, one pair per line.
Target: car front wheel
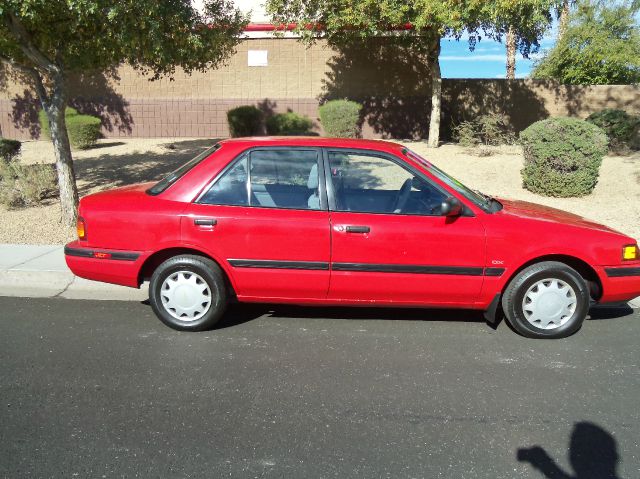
188,293
546,300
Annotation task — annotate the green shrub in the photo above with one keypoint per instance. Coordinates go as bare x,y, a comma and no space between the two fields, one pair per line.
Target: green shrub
9,149
289,124
341,118
619,126
466,134
244,121
562,156
492,129
83,130
45,132
25,185
495,129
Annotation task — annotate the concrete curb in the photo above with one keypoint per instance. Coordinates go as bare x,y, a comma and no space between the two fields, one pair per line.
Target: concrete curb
36,271
56,284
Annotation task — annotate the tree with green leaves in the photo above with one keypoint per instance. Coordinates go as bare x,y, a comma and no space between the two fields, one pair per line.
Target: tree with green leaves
430,20
522,23
600,46
48,40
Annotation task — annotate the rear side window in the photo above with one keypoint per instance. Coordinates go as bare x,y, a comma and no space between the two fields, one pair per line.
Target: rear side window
231,188
170,179
274,178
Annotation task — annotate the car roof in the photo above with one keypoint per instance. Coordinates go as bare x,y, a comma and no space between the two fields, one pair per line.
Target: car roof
316,141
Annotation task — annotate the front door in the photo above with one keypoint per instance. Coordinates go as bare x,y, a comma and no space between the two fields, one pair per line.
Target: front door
266,218
389,240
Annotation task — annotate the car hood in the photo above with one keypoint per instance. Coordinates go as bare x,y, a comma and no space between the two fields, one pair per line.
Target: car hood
524,209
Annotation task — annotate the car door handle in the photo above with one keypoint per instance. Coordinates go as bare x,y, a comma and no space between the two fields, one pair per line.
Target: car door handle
357,229
205,222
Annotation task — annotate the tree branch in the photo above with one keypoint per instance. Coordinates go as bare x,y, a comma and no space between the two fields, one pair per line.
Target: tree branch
28,48
38,84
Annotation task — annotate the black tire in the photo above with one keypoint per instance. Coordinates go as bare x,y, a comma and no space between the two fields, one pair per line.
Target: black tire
209,272
514,295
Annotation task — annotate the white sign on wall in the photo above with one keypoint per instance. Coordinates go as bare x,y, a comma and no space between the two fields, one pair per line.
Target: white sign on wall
257,58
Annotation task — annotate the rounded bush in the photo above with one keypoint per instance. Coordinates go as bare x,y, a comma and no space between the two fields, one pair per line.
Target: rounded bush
289,124
244,121
341,118
9,149
562,156
618,124
84,131
45,131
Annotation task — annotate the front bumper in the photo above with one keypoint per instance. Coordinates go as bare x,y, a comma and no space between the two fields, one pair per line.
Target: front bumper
107,266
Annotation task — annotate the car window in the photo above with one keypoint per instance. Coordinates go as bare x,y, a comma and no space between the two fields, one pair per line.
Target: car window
174,176
279,178
231,187
373,184
285,179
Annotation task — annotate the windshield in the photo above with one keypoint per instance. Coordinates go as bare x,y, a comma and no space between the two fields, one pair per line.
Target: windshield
170,179
479,199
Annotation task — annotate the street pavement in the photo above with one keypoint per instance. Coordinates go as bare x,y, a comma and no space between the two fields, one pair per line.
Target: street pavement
103,389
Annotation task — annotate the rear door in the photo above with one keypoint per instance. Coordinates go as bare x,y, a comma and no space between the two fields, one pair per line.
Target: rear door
266,217
389,240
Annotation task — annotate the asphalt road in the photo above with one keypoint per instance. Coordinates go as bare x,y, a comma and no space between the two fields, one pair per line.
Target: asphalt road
103,389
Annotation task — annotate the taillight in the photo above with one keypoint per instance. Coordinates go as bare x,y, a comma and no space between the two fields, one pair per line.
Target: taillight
81,228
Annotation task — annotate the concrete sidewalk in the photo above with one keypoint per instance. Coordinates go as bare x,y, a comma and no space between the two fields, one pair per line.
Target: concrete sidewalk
36,271
40,272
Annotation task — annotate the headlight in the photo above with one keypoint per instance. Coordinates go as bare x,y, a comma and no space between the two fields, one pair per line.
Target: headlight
630,252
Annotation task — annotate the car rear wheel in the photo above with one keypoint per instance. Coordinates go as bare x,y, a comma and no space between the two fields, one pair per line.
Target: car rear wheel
546,300
188,293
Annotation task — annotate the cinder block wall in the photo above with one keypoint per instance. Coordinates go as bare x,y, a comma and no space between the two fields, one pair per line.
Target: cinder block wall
390,79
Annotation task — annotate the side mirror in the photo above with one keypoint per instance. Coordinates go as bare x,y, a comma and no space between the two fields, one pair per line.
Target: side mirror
451,207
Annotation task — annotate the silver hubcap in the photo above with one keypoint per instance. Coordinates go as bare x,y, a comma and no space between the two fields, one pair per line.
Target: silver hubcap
549,303
185,296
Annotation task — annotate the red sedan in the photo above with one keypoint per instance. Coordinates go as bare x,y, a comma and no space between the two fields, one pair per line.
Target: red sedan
321,221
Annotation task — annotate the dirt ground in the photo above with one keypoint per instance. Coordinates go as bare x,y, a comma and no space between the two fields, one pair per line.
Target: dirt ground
615,201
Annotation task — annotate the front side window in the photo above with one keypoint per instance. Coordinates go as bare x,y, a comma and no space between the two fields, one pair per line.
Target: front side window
278,178
372,184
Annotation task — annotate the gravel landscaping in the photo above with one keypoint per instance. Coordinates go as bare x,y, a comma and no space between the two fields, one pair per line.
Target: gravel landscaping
615,201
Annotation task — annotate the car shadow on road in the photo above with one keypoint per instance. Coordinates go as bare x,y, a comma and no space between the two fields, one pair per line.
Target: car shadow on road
616,311
240,313
593,454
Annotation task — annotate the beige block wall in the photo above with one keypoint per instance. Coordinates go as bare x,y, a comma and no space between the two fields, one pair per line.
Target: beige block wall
389,77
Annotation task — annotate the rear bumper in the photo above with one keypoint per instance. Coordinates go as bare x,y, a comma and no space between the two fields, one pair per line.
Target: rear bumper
108,266
619,283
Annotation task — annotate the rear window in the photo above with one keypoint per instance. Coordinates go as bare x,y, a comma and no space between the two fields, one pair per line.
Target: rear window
170,179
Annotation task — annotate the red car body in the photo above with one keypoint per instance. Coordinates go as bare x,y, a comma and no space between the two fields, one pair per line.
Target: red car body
308,256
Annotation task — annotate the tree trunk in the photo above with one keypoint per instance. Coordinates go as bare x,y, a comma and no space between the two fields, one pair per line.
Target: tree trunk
511,53
563,21
436,96
55,110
